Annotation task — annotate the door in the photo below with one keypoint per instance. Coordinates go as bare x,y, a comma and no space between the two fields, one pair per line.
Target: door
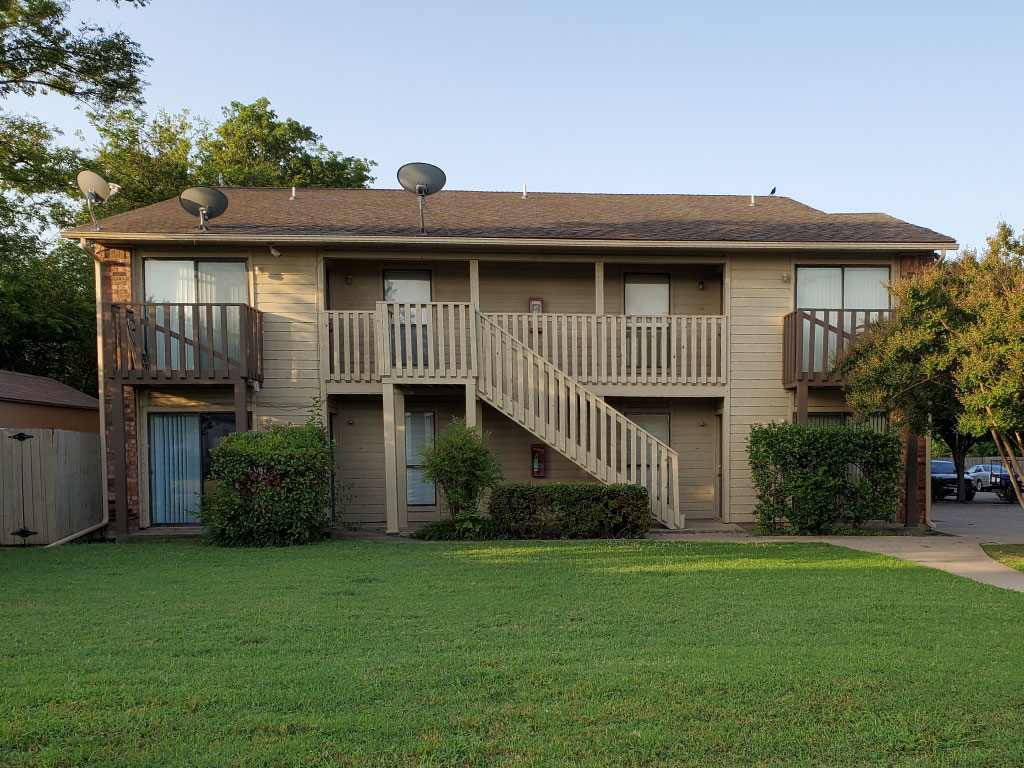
180,461
407,286
645,296
175,468
186,281
660,426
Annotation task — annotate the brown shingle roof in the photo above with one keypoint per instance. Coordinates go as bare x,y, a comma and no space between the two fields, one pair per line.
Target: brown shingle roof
263,213
25,388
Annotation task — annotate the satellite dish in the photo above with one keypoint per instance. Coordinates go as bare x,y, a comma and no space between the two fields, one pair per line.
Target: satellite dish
95,189
205,202
421,179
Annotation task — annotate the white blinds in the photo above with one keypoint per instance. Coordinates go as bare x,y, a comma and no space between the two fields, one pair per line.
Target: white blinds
864,288
419,433
175,467
646,294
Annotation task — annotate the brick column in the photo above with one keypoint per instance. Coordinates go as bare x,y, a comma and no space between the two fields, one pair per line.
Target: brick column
116,276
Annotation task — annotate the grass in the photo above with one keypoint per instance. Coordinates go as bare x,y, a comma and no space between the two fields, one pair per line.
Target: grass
503,654
1010,554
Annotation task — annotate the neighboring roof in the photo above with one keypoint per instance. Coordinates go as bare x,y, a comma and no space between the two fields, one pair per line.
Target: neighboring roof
40,390
266,213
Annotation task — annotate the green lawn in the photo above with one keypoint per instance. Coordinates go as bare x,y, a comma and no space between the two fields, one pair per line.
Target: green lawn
575,654
1009,554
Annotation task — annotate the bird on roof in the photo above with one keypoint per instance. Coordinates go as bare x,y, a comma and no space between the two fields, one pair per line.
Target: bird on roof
772,192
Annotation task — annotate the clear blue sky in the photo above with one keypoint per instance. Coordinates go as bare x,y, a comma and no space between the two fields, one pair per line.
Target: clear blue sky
909,108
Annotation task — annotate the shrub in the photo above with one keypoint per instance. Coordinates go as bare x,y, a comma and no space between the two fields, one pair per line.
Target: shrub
455,529
273,487
822,479
463,468
570,511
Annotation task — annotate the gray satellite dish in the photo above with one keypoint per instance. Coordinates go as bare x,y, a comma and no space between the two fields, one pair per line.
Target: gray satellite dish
95,189
421,179
205,202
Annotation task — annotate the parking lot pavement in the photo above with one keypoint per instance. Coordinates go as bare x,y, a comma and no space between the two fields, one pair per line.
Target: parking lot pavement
986,519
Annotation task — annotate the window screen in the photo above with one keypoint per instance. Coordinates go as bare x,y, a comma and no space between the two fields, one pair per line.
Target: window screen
419,434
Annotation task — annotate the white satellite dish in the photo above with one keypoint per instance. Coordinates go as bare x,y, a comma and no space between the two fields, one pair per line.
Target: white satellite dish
95,189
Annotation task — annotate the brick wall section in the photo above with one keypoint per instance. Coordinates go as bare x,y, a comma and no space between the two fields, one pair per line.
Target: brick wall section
911,264
116,273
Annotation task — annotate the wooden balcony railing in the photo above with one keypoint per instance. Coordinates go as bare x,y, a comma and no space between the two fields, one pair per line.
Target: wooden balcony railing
436,340
625,349
200,343
811,339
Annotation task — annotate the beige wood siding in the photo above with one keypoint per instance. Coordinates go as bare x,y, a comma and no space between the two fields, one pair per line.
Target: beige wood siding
449,281
685,295
286,294
758,300
508,287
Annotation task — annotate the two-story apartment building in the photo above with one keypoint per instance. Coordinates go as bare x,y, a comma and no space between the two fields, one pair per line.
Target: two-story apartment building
614,338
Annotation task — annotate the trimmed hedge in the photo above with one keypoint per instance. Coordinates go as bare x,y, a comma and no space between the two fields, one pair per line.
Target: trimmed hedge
273,487
830,479
570,511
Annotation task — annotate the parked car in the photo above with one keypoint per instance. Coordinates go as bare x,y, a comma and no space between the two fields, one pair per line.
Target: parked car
985,476
944,482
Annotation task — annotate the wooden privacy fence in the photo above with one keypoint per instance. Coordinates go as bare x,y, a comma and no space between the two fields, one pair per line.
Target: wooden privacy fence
49,483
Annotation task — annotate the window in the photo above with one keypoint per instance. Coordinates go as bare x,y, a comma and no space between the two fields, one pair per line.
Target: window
647,341
837,302
407,286
188,283
842,287
419,434
179,462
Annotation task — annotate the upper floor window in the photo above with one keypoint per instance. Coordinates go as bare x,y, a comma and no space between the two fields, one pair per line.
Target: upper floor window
646,294
842,287
407,285
188,281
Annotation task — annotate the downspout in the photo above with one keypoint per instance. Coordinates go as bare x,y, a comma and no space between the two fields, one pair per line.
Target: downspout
104,505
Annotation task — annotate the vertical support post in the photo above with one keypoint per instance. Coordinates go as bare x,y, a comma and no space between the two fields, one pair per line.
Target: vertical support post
598,287
473,406
801,403
474,283
119,459
910,508
401,484
390,458
241,411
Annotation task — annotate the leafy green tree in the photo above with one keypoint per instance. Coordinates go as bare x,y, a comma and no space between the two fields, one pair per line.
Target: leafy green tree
906,367
40,53
48,312
463,467
253,148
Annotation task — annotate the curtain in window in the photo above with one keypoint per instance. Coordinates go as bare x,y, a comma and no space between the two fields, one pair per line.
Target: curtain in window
221,282
170,282
864,288
175,468
419,433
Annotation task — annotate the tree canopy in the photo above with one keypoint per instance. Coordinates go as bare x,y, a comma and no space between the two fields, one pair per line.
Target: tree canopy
950,361
155,159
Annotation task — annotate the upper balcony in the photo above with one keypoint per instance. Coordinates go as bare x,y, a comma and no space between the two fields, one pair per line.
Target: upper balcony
436,342
811,339
169,343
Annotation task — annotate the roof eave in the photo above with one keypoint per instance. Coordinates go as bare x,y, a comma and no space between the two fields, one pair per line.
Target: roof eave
511,243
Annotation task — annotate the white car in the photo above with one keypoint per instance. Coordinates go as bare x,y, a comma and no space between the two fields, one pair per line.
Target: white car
980,475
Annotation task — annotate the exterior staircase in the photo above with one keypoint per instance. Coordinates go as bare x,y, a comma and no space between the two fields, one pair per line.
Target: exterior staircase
573,420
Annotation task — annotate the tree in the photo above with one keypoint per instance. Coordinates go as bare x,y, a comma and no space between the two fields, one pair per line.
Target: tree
156,159
990,380
464,468
252,148
951,359
906,366
47,312
41,54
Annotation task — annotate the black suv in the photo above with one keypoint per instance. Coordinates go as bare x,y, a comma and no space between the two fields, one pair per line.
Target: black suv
944,482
